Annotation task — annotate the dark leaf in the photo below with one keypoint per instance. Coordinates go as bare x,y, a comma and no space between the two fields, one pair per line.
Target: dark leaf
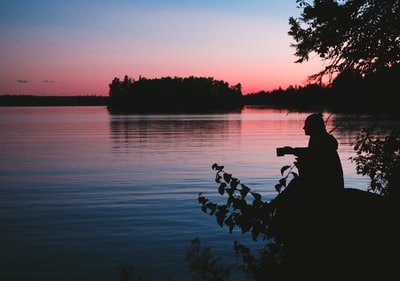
212,207
246,226
227,177
230,191
230,223
284,168
215,166
220,219
257,202
256,195
220,215
255,232
230,201
239,204
244,191
221,189
202,199
222,208
234,182
278,187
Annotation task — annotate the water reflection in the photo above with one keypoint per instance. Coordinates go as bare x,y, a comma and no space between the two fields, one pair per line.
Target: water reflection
76,181
351,124
130,134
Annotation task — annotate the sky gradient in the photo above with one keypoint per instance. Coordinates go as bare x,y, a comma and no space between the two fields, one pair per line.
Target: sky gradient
77,47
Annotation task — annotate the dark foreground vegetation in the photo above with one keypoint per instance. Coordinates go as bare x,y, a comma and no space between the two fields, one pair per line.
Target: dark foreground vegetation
355,237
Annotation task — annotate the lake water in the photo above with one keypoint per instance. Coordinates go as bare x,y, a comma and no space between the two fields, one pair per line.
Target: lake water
83,191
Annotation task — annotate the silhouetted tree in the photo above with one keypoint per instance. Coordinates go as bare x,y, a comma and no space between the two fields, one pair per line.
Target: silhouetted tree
363,35
360,41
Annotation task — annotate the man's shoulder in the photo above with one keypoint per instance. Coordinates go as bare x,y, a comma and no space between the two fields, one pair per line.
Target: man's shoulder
331,139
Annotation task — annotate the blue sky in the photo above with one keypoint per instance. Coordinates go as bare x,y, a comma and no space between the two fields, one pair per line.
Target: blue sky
78,47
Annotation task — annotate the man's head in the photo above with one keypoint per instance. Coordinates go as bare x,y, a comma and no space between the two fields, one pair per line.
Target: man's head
314,124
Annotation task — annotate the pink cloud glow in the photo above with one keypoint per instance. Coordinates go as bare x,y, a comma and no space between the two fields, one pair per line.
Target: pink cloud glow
252,50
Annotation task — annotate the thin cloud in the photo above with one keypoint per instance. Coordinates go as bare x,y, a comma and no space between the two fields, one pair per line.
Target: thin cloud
22,81
49,81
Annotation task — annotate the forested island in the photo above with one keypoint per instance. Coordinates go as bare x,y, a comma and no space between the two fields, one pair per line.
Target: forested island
167,94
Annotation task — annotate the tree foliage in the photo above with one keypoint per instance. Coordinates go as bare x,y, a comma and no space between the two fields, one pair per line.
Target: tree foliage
249,212
173,94
379,159
363,35
306,238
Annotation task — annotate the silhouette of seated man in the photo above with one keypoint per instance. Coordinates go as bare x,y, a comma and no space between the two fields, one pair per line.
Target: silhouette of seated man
320,182
319,166
307,208
320,220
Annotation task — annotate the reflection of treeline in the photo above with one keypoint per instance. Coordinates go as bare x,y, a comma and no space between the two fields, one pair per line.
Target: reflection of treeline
30,100
173,94
348,91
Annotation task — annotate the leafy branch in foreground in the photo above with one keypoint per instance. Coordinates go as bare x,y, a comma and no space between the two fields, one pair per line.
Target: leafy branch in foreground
244,208
378,158
249,217
248,211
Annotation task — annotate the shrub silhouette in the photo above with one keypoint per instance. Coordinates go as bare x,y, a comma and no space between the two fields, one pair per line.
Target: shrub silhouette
353,238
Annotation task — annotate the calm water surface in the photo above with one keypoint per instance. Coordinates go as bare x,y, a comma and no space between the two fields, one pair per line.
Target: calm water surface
82,192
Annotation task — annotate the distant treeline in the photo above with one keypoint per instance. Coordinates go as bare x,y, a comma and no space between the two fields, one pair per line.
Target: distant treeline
191,94
30,100
348,92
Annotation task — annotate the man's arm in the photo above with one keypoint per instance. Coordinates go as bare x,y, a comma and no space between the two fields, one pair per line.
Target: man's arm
300,151
297,151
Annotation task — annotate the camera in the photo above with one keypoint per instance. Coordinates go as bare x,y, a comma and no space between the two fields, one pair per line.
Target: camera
281,151
287,150
297,151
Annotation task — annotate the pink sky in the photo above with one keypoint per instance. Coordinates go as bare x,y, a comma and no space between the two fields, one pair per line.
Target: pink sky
80,53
